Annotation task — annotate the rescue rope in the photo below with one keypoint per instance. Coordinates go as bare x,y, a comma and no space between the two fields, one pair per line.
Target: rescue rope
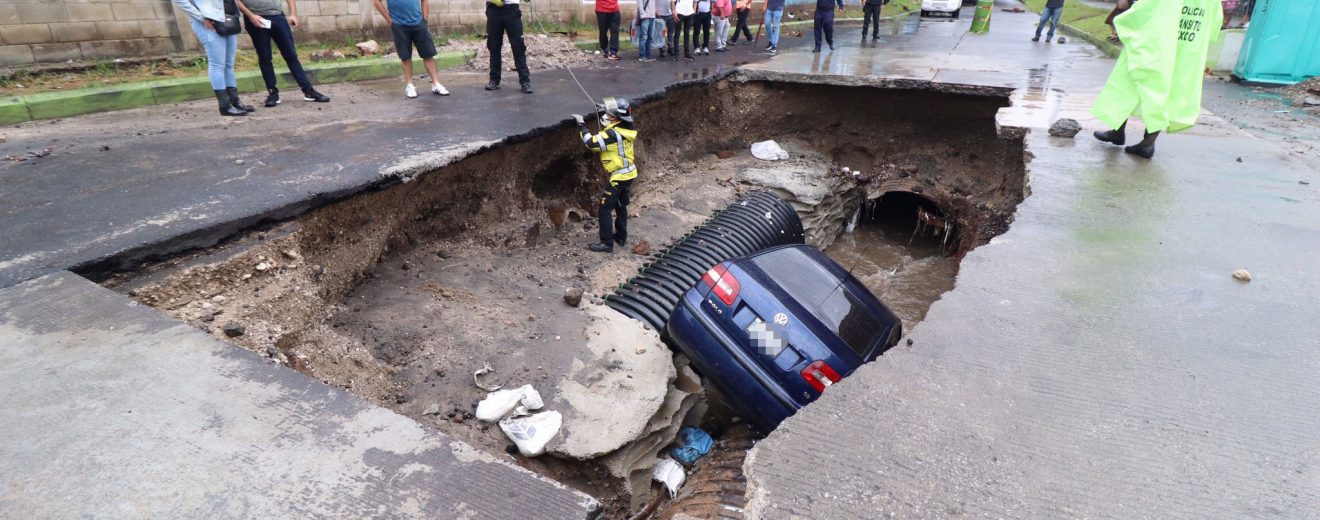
594,106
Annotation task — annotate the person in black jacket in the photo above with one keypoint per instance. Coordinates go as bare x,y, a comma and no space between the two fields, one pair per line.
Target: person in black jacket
871,15
825,21
504,16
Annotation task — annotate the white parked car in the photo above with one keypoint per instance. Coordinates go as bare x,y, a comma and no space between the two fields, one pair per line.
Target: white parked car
950,7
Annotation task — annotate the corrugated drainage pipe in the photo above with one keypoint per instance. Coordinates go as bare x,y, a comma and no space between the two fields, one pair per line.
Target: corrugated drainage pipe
754,222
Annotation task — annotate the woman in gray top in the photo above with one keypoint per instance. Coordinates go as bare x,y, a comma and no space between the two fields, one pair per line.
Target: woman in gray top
266,22
220,50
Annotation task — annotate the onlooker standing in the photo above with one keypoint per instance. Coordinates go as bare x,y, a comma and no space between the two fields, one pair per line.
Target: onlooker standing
685,11
607,21
220,51
1158,75
1051,13
265,22
646,15
721,10
407,20
774,12
702,23
824,21
506,16
744,9
871,15
1119,8
664,11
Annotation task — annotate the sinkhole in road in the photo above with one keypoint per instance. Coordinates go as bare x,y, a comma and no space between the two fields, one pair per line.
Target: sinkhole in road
400,293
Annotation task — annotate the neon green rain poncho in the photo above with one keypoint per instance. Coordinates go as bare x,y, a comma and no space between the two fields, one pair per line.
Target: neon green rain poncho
1158,76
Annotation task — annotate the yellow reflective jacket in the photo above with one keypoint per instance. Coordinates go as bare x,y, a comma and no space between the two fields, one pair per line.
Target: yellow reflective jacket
615,146
1158,76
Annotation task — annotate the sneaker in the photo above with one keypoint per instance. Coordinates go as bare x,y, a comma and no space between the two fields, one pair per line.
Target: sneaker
601,247
612,57
494,85
312,95
815,49
527,88
769,46
705,50
748,42
647,60
720,49
773,49
439,89
273,98
688,56
1035,38
410,91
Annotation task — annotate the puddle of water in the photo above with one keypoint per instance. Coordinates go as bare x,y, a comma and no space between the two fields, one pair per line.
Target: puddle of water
906,278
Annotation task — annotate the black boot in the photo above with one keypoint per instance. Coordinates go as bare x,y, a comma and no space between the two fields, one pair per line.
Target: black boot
234,102
227,109
601,247
1146,148
272,98
1117,137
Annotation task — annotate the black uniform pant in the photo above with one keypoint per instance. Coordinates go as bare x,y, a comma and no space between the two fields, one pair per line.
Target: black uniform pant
824,22
614,200
608,24
685,27
871,15
703,25
742,28
500,20
671,35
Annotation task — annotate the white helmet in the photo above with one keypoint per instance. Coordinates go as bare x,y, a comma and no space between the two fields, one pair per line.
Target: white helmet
618,108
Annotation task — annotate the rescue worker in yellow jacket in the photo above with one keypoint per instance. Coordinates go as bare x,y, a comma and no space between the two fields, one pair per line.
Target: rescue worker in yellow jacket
614,143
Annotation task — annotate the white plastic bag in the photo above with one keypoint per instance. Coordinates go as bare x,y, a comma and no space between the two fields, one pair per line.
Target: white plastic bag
768,151
500,403
531,433
670,473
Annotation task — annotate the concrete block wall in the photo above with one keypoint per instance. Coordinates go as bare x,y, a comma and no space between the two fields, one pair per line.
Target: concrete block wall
47,31
59,30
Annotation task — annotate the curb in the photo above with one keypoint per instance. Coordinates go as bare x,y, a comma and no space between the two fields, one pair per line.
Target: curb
48,105
1105,46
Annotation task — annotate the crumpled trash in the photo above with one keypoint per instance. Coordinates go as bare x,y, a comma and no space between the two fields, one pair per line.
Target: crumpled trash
476,378
531,433
670,474
500,403
769,151
693,443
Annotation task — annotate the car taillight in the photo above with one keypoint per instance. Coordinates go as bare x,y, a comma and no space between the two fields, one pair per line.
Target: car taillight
820,375
722,282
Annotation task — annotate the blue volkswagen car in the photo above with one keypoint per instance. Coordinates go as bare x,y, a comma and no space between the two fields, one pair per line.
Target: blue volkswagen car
772,330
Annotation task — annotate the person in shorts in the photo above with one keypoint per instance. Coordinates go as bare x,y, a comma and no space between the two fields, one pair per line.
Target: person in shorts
408,24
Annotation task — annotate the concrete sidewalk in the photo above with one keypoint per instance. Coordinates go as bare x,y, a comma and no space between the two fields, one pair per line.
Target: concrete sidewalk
1097,360
113,410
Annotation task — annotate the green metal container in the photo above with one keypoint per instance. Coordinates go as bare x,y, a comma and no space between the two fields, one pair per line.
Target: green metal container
1282,45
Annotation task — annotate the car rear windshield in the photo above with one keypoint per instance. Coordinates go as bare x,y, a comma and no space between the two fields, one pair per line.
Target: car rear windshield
819,292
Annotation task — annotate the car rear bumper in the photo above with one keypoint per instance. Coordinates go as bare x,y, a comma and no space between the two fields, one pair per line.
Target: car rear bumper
719,359
945,6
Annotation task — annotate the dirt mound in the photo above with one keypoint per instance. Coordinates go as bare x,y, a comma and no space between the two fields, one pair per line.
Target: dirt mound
543,52
1304,92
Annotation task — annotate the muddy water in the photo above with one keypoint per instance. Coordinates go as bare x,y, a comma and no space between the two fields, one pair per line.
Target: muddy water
906,278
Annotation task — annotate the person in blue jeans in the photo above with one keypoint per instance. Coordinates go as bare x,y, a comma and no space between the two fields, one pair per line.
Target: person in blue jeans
220,51
774,12
645,26
265,21
1051,13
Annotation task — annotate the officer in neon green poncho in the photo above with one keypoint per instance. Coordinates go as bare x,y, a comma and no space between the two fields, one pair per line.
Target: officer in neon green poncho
1158,75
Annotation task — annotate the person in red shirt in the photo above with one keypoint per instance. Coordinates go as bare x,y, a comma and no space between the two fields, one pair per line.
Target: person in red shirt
607,19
